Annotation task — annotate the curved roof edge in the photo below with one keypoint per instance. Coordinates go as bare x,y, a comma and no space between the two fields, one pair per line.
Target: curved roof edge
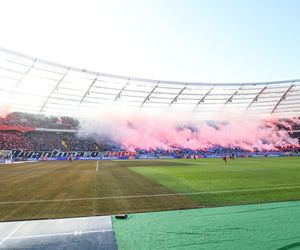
8,51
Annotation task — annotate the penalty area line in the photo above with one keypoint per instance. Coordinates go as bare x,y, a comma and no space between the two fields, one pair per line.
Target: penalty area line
149,195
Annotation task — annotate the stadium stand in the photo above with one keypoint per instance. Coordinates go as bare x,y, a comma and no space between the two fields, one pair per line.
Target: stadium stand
26,131
39,121
47,141
68,92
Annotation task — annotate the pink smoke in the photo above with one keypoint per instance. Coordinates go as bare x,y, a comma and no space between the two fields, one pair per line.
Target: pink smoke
4,110
164,131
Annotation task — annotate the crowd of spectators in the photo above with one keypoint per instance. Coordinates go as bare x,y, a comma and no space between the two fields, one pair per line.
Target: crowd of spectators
296,134
14,140
72,141
44,141
69,141
39,121
216,150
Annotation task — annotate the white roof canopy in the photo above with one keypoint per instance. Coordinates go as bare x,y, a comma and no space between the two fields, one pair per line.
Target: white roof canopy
32,85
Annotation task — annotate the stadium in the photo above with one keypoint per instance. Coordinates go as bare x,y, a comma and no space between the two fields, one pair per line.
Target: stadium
65,174
96,160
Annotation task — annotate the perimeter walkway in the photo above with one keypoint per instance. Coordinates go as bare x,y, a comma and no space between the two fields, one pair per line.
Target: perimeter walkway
73,233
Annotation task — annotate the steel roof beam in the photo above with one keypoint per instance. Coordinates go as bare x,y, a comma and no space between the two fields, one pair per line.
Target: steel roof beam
136,91
26,73
203,98
255,99
124,87
12,70
101,93
176,97
22,73
101,87
23,76
282,98
62,67
67,94
87,92
54,89
231,97
148,96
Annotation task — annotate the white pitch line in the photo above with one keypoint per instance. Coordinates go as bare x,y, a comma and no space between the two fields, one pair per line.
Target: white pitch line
97,166
11,233
60,234
150,195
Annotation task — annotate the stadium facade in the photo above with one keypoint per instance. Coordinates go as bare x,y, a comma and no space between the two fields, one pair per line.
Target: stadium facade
28,84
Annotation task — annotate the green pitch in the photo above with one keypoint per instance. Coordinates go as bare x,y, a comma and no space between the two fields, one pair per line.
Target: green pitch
240,181
64,189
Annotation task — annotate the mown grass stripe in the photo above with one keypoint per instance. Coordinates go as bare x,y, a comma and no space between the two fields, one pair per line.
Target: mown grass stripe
151,195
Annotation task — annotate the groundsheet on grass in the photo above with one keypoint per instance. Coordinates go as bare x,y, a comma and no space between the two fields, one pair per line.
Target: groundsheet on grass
259,226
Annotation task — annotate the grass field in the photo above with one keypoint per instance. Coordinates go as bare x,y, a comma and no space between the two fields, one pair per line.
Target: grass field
241,181
64,189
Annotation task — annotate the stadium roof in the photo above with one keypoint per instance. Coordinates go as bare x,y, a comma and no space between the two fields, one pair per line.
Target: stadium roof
33,85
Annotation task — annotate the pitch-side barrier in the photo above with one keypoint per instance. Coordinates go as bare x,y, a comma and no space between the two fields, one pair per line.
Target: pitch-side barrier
55,155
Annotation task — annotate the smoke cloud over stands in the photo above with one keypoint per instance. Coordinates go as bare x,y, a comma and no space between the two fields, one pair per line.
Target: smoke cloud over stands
4,110
166,131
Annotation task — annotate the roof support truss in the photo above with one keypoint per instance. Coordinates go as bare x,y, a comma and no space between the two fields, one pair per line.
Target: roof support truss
54,89
203,98
255,99
119,94
148,96
88,90
231,97
24,74
176,97
282,98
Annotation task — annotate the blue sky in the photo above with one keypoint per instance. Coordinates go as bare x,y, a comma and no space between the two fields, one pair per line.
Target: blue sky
204,41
